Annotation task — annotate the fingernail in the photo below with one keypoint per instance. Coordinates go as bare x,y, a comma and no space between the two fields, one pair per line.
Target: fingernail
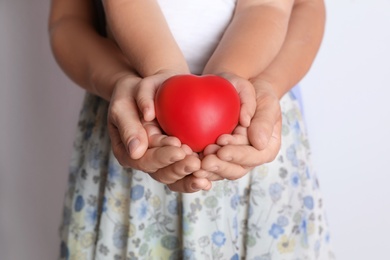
195,187
133,145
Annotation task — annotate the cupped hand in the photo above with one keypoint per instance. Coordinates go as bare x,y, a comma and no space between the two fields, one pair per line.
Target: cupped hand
236,154
246,93
137,141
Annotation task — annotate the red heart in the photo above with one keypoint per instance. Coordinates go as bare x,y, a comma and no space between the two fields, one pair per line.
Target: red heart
197,109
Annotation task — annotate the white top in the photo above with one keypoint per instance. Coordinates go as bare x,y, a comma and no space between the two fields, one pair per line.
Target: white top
197,26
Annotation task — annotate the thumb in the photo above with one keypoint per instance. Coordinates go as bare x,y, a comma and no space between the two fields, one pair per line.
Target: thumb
247,94
248,101
261,130
130,134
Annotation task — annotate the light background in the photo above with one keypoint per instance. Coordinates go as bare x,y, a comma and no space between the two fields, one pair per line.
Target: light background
347,108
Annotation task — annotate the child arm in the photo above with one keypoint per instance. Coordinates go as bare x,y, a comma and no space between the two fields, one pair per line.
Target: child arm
295,58
141,31
249,44
244,149
252,39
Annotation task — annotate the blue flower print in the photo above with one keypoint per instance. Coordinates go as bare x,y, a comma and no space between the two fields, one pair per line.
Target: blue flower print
282,221
218,238
143,210
291,154
113,171
120,236
305,236
91,215
79,203
276,231
327,237
172,207
235,226
137,192
307,173
295,179
235,200
304,225
275,191
88,130
296,127
235,257
308,202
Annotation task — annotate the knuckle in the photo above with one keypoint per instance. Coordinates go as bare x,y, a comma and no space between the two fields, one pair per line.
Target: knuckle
115,111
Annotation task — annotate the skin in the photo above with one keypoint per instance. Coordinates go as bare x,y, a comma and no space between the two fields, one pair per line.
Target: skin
129,82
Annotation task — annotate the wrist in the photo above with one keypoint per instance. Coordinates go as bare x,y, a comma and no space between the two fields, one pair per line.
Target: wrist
172,71
222,72
104,85
265,87
264,83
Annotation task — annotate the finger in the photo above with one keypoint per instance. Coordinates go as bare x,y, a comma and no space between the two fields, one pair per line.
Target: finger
158,158
249,156
145,97
210,149
189,151
190,184
123,116
247,94
263,122
211,176
248,101
156,138
178,170
239,137
223,169
118,148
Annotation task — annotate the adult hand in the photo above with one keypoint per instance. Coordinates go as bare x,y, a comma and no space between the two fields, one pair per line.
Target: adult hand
139,143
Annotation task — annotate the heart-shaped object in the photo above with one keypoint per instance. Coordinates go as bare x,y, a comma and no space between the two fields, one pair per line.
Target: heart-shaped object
197,109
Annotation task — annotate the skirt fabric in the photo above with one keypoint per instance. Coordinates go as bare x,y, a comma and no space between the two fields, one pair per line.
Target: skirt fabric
274,212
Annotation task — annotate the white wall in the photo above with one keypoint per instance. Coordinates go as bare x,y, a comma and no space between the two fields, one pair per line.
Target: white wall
347,113
38,110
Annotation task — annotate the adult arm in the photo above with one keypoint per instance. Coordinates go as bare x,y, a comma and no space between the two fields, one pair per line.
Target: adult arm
93,62
98,65
141,31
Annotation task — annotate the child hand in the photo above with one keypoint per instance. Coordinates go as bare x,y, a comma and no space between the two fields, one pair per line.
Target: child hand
247,94
249,147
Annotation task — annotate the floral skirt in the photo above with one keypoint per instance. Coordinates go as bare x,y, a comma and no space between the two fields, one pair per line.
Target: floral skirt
274,212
